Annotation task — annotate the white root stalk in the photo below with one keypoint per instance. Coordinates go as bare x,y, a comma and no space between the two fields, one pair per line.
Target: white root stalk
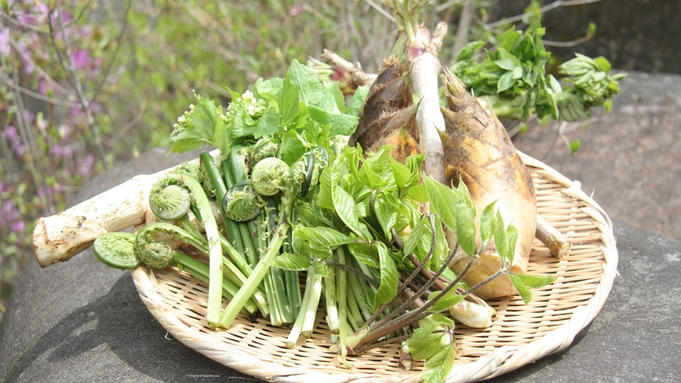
59,237
425,70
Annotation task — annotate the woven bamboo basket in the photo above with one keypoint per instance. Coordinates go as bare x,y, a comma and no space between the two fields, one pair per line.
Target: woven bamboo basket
520,333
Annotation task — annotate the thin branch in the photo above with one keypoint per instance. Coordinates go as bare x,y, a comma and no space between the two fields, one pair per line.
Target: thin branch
37,95
115,54
382,11
69,66
316,14
22,24
448,4
129,125
77,18
567,44
544,9
23,131
463,28
57,86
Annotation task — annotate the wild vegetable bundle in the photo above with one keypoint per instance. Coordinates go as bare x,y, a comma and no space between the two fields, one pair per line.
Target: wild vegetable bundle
393,210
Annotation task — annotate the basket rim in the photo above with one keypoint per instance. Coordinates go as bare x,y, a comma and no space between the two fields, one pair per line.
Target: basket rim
498,362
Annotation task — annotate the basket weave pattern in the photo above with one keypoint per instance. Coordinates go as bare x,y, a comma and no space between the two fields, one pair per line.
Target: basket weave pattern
520,333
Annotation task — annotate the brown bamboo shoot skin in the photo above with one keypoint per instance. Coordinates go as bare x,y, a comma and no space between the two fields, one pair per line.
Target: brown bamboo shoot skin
479,152
388,114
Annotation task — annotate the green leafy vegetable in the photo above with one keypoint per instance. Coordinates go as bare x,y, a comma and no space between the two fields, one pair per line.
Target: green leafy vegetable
513,77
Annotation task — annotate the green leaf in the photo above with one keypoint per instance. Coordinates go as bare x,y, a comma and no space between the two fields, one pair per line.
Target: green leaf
268,89
535,281
443,201
437,318
418,193
289,261
310,89
438,367
387,208
289,102
326,181
390,277
575,145
424,342
185,140
506,82
445,302
241,125
555,85
603,64
590,30
469,50
320,269
441,250
419,240
363,253
268,123
291,148
507,61
522,288
511,238
487,224
203,117
500,236
344,205
341,124
357,101
304,249
323,236
403,176
465,221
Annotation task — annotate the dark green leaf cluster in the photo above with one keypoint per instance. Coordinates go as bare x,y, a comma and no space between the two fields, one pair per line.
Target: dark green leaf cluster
361,202
433,342
588,83
514,72
513,77
296,113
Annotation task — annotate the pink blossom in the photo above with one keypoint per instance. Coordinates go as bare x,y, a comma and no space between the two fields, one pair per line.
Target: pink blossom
80,59
11,133
5,47
28,116
61,150
85,165
44,86
296,10
9,211
18,226
18,149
